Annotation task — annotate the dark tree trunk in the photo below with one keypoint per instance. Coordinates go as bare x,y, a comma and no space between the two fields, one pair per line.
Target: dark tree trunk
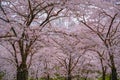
103,72
78,77
48,77
37,75
114,74
22,69
22,72
103,75
113,68
69,77
85,78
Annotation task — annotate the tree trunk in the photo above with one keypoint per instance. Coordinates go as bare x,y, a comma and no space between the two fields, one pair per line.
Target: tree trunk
103,76
22,72
85,78
103,72
48,77
113,69
114,74
78,77
69,77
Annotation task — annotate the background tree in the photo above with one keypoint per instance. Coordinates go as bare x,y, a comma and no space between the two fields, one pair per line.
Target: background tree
109,36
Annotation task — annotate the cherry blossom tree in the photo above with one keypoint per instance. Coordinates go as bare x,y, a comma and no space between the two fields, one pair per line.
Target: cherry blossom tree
27,27
109,34
69,52
24,22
